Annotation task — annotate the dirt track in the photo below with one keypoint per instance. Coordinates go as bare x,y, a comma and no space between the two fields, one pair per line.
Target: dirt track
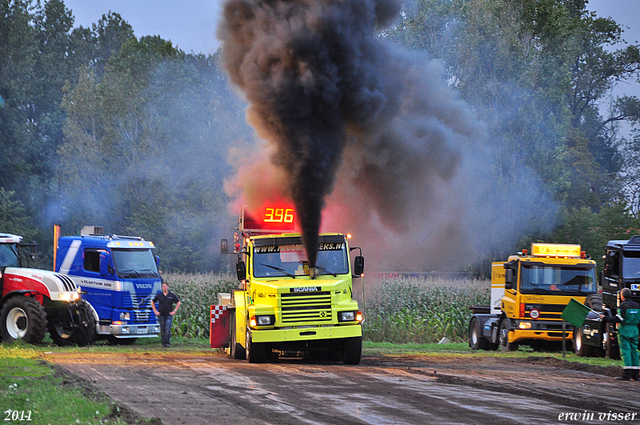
182,388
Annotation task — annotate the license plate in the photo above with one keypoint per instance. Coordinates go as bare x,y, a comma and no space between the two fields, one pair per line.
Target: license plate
142,330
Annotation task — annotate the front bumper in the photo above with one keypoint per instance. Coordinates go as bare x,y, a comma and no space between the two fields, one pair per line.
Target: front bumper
306,333
544,330
130,331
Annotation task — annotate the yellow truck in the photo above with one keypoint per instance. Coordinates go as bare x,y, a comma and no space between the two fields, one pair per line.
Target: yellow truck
528,295
284,307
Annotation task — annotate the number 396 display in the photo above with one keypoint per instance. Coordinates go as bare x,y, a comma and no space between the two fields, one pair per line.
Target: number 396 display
278,215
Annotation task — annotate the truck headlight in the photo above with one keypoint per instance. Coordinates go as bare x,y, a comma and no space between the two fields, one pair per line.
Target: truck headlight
346,316
263,320
524,325
69,296
125,316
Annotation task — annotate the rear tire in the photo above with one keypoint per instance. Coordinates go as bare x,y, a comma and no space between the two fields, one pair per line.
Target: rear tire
352,350
476,340
594,302
23,318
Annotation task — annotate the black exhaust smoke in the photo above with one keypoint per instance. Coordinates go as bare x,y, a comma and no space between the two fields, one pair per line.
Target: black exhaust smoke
320,84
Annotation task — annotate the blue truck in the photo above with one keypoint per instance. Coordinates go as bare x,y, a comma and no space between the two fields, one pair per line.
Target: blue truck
118,277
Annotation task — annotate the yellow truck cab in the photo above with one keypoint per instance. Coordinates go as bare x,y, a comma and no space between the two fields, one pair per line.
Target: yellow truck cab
529,292
286,307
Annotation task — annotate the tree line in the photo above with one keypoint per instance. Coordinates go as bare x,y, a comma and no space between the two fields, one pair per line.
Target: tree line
100,127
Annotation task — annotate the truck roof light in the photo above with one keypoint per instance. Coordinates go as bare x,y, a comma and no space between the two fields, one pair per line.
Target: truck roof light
555,250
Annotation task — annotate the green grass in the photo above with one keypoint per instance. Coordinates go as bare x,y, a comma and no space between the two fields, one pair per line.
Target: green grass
31,391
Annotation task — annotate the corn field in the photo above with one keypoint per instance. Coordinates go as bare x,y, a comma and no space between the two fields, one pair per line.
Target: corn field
422,310
419,310
197,292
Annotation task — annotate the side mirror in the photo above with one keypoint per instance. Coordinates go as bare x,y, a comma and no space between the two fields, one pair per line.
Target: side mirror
224,246
157,261
241,269
105,259
508,279
358,266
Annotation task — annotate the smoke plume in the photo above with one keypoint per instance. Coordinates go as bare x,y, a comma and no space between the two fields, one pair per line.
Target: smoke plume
318,80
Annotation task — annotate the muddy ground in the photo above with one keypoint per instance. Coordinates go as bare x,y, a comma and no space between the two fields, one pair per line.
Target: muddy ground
181,388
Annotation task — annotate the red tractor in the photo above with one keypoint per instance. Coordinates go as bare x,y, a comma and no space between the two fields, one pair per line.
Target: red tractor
34,301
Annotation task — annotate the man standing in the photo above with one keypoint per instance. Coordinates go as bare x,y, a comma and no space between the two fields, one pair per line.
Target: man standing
165,300
628,317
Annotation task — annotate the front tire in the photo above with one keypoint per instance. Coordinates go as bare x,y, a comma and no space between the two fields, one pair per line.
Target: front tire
23,318
237,350
74,325
352,350
256,352
505,345
579,347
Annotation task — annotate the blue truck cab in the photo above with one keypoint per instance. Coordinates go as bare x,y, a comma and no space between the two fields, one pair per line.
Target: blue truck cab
118,277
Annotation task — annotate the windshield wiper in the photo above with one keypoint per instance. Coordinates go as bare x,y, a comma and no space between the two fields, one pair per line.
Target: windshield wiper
129,273
149,271
326,271
278,269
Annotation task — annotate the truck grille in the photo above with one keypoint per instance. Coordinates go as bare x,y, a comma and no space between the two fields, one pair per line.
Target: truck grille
141,316
306,307
136,301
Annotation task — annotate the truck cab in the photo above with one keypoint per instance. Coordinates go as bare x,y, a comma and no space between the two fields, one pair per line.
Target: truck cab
285,306
118,277
529,294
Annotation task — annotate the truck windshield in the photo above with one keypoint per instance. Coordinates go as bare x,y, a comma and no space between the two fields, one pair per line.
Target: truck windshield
135,263
8,256
291,260
558,279
631,265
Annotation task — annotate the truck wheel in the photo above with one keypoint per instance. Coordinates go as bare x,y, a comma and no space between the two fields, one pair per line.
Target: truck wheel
352,350
78,327
256,352
237,350
594,302
611,349
579,347
476,340
23,318
505,345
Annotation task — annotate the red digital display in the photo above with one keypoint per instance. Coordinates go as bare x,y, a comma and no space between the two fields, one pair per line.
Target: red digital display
269,219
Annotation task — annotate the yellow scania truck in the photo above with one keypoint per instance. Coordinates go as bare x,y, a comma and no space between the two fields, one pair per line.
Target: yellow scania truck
284,306
528,295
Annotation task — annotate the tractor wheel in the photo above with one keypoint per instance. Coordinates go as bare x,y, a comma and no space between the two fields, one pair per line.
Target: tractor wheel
476,340
612,350
23,318
505,345
75,325
352,350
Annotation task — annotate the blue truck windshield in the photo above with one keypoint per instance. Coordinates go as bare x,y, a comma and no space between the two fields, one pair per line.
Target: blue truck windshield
558,279
131,263
291,260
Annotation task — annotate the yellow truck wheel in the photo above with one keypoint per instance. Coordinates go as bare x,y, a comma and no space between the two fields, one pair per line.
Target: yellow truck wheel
237,350
256,352
505,345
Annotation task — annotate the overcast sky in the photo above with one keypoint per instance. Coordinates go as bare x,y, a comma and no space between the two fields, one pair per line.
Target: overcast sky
190,24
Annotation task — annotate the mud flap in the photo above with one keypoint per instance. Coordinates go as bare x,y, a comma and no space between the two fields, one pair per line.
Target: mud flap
219,334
